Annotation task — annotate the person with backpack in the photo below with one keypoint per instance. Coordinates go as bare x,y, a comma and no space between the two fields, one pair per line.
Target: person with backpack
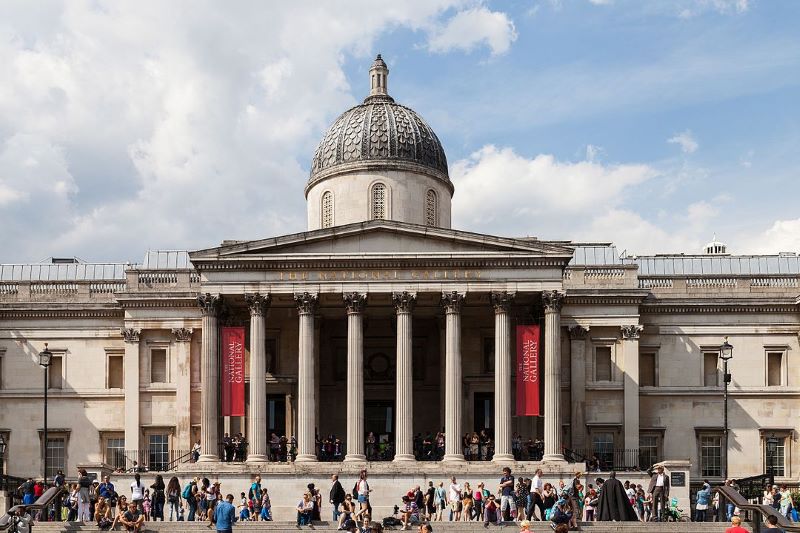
174,496
188,494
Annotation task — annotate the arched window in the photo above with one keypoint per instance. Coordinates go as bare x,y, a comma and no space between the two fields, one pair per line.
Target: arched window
431,208
327,209
378,207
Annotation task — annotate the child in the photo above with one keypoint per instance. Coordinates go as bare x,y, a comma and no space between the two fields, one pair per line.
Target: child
266,506
146,503
244,509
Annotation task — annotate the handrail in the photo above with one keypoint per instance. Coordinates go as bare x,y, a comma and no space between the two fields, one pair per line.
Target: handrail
42,502
759,511
170,465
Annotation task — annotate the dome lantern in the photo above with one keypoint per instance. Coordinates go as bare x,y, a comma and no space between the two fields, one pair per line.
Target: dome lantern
378,74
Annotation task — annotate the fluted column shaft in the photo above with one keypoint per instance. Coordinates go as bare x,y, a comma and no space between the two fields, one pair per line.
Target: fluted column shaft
552,380
404,304
355,303
452,302
306,400
257,416
209,370
502,376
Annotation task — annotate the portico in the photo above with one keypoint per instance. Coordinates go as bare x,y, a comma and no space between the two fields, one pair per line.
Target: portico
322,282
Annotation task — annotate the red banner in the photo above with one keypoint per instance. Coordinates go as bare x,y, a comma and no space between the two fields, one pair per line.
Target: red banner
232,371
528,376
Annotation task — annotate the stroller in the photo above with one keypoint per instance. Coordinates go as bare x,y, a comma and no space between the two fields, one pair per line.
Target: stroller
675,513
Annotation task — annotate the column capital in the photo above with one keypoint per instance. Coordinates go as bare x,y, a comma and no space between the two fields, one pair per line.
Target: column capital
502,300
452,301
631,332
182,334
258,303
306,302
552,301
405,301
578,332
130,334
355,302
209,304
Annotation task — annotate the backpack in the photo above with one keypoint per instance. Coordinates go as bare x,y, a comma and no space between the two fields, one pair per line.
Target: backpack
355,491
391,521
187,491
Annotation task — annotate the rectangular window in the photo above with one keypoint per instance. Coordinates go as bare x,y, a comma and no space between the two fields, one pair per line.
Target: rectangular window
56,456
115,452
710,455
648,451
710,372
158,453
158,365
55,372
602,363
647,370
775,456
488,355
603,448
115,369
774,369
2,359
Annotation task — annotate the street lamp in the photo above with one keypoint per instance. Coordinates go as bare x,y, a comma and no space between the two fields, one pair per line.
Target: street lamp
45,356
726,354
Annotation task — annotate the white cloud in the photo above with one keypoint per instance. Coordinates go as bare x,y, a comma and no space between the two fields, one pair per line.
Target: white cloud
472,27
686,141
126,126
692,8
782,236
601,2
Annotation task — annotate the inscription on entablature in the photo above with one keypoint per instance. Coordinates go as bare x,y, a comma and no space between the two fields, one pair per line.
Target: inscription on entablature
378,275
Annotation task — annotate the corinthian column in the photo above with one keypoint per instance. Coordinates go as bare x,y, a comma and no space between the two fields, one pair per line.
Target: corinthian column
452,301
552,381
630,358
209,369
306,401
355,303
257,417
502,375
404,424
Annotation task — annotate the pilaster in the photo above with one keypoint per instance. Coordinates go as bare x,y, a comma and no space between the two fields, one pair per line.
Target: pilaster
630,350
183,387
577,348
131,372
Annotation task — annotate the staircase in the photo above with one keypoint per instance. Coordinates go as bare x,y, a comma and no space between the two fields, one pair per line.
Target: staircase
438,527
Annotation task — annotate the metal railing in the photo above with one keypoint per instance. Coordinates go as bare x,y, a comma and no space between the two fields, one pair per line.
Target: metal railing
612,459
149,459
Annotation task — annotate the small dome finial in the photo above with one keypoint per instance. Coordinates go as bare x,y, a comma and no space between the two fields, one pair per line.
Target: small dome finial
378,73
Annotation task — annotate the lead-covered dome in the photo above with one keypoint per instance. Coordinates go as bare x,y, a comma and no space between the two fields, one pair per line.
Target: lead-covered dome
379,134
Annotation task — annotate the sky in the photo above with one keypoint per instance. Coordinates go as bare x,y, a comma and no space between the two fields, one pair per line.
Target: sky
127,126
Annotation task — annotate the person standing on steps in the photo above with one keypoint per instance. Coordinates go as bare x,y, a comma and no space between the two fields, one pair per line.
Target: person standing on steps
659,488
506,494
336,497
224,515
363,490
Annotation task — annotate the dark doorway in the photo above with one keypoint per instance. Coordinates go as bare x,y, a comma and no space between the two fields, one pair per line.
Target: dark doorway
379,419
484,412
276,414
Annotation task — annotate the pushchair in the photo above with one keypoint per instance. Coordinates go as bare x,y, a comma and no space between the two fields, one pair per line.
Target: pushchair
675,513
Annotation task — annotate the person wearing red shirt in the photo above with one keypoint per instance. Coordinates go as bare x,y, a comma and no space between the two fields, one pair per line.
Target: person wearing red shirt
736,526
38,489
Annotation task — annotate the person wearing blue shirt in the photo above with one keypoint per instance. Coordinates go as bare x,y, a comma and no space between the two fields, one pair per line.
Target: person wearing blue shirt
703,499
224,515
507,494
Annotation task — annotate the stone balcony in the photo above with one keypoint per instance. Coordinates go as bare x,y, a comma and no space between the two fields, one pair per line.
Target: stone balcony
716,285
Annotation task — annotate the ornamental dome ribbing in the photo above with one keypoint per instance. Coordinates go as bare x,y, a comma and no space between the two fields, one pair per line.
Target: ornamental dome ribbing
379,134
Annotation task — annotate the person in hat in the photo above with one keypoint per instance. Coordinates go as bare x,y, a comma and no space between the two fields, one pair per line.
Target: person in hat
659,488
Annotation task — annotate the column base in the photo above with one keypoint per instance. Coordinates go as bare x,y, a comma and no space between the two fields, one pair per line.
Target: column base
355,458
553,458
257,458
404,458
208,458
305,458
454,458
503,458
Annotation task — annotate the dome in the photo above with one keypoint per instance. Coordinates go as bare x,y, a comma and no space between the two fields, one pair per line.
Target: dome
379,134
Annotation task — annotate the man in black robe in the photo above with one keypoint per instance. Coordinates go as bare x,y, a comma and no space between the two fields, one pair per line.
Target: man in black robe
614,503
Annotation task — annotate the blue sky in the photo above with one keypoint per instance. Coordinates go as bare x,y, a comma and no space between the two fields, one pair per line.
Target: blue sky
653,125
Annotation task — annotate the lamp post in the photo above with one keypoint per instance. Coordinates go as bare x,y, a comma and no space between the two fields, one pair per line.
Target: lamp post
726,354
45,356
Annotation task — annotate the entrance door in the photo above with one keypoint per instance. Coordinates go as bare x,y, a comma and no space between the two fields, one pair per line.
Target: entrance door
276,415
484,412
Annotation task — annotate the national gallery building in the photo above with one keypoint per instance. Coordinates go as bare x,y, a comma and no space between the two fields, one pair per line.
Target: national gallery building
381,318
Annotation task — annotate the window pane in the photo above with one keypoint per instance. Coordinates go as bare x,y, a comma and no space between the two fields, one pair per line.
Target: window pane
774,360
159,451
115,452
379,201
775,454
647,370
603,447
115,372
648,451
54,372
56,455
602,361
710,374
711,455
158,366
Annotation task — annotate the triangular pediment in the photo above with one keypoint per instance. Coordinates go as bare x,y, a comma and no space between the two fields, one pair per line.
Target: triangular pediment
381,237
